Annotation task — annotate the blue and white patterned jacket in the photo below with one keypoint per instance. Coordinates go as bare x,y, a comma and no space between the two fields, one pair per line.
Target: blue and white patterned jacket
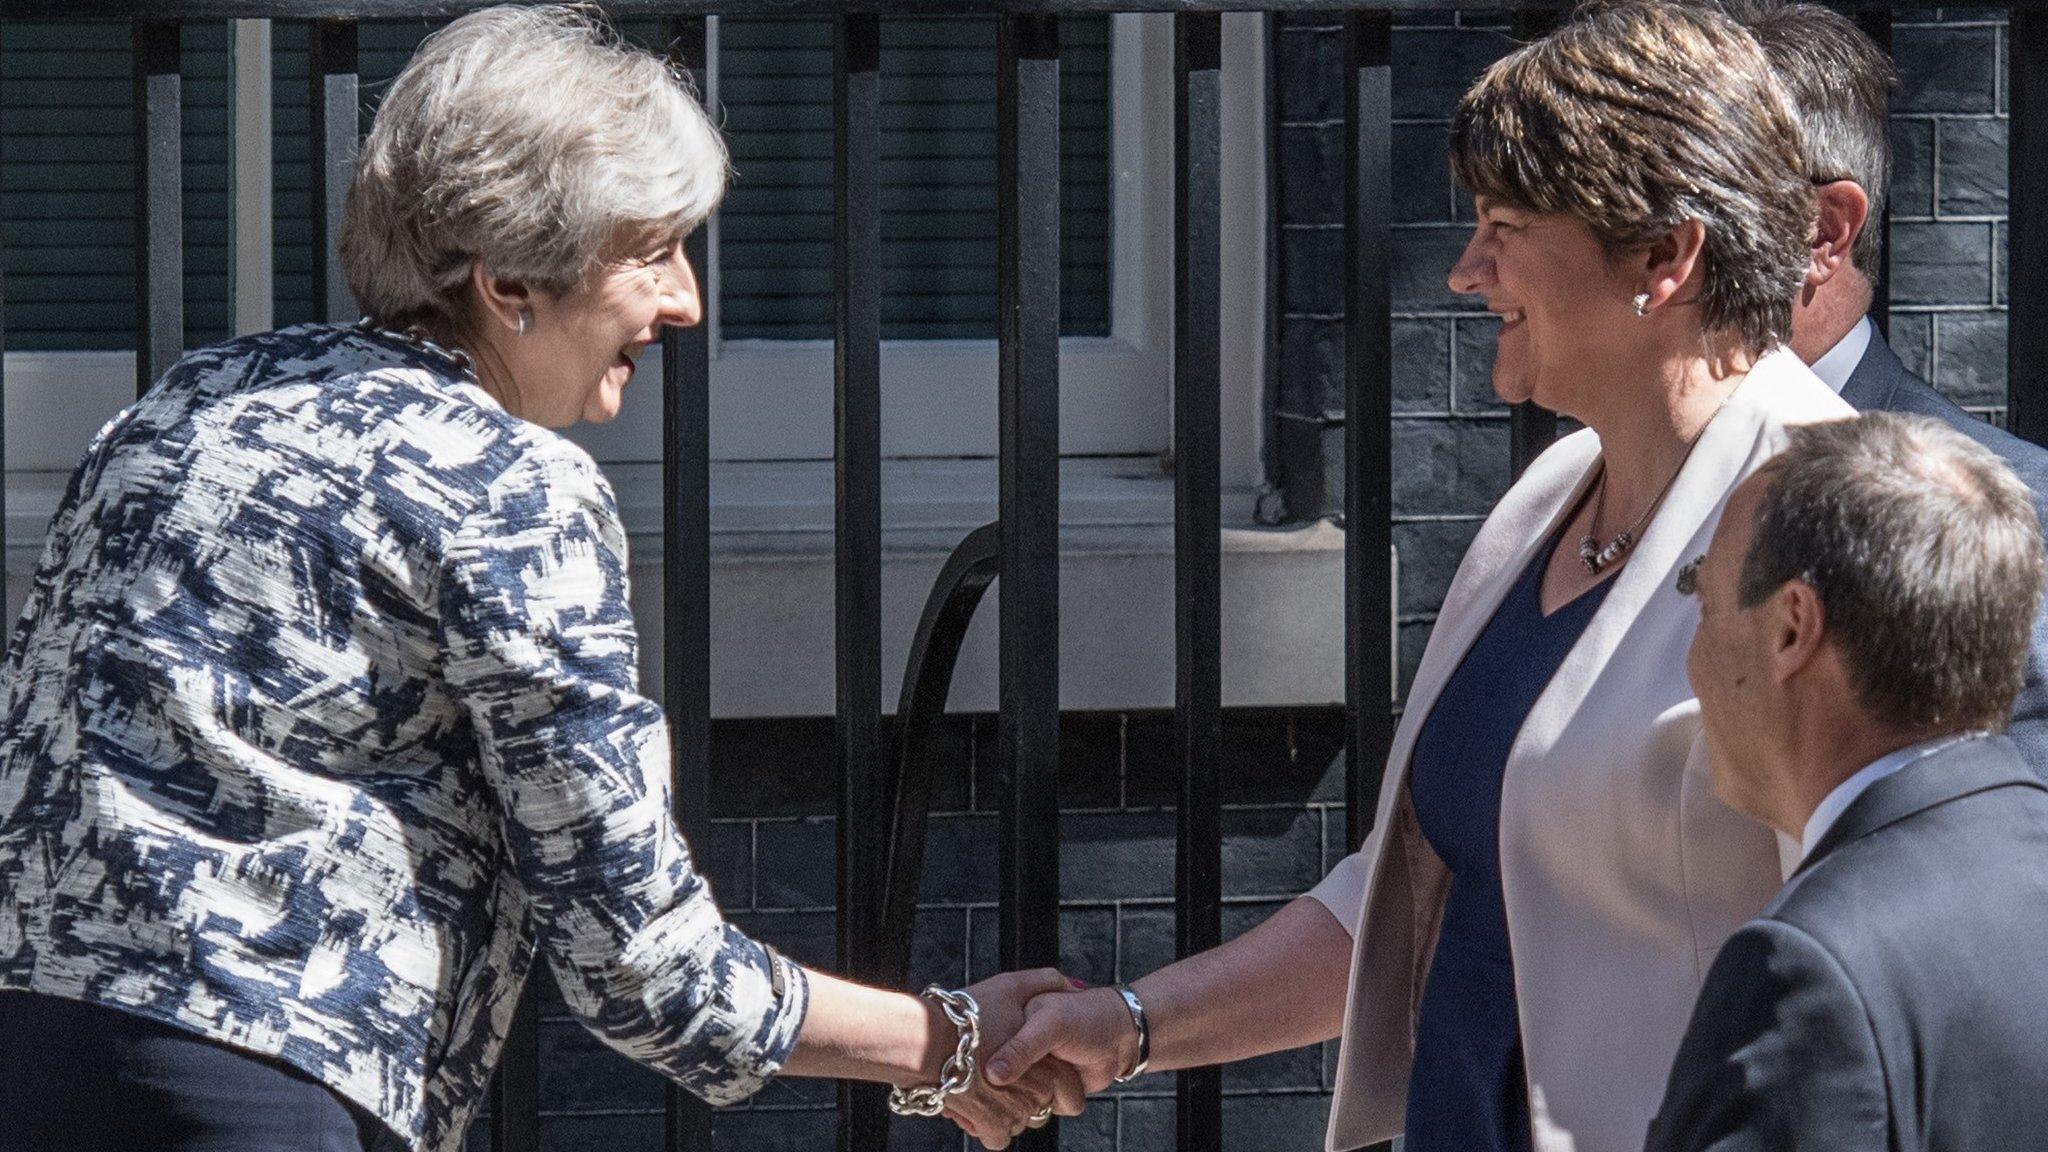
323,711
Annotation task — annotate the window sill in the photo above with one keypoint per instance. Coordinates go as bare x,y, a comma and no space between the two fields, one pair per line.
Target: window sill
772,583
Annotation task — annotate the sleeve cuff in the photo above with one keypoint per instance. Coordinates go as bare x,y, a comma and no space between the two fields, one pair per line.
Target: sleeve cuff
750,1065
1343,890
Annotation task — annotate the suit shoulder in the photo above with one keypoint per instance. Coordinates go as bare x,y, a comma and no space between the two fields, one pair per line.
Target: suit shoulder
1914,396
2028,460
1919,878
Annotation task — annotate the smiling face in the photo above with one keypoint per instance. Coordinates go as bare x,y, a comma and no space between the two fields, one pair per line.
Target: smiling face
577,355
1729,663
1561,299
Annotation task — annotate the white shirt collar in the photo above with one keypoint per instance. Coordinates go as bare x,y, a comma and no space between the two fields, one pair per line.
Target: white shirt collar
1835,368
1845,793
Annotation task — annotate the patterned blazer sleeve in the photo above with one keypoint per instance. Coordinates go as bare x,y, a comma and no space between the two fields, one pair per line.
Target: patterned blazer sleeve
541,652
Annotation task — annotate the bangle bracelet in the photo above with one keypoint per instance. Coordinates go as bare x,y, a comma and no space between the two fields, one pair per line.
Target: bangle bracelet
957,1075
1137,1010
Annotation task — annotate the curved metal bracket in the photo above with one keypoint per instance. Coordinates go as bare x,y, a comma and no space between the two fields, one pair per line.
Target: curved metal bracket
927,679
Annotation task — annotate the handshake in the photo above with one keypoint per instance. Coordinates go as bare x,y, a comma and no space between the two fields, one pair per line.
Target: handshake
1045,1044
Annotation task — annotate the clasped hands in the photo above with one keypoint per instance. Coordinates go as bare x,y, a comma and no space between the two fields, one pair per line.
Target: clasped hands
1047,1043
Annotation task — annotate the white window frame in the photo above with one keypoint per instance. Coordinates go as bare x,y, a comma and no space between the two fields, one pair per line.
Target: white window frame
772,400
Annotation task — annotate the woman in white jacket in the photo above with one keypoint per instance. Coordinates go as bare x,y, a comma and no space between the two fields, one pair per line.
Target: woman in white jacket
1512,956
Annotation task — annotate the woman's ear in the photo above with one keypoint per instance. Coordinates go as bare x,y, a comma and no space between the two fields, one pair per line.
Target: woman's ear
1673,259
499,299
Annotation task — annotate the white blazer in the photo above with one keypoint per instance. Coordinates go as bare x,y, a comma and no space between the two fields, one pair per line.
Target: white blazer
1621,870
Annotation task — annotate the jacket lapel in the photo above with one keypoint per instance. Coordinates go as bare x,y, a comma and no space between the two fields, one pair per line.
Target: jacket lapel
1871,386
1368,1092
1505,546
1970,767
1726,450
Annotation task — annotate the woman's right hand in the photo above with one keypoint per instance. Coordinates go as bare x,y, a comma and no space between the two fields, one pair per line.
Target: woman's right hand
1091,1032
995,1113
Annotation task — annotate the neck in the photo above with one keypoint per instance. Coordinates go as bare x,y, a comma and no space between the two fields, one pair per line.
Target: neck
1822,315
492,375
1826,752
1646,429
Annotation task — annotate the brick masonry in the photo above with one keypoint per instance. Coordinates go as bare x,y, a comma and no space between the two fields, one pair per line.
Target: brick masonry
770,851
1948,322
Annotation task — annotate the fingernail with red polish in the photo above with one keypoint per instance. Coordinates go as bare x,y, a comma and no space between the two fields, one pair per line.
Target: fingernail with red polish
1077,983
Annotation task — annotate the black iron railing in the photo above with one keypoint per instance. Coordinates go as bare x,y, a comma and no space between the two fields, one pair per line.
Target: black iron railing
884,791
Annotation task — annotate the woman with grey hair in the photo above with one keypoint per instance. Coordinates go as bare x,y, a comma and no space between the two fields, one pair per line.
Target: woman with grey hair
323,717
1512,956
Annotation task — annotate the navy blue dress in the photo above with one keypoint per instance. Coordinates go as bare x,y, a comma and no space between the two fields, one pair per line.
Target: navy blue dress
1467,1090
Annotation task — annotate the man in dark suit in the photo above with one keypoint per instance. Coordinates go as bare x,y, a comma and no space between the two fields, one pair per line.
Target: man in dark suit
1841,82
1864,611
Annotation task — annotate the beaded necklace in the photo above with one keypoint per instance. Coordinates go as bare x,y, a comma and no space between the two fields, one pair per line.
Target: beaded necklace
1598,557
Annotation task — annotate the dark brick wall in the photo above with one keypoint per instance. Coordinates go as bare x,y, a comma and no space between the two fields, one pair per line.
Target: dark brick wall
1450,434
1949,125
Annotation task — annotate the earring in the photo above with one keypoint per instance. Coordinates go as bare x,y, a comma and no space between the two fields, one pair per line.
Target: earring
525,321
1641,303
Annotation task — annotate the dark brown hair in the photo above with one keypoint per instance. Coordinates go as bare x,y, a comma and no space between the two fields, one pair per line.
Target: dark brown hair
1636,116
1840,84
1925,551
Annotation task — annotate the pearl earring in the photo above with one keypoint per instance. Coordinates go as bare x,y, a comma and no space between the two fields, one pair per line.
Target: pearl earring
1641,303
525,321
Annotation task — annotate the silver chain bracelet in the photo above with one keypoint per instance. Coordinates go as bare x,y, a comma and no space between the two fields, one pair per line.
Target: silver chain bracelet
957,1075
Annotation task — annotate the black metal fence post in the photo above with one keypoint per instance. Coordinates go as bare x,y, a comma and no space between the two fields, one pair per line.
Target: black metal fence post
3,407
1197,548
335,128
1028,328
2026,359
515,1086
159,202
857,536
3,417
686,560
1368,411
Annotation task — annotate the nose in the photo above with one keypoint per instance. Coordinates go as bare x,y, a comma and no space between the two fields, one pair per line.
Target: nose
682,305
1474,269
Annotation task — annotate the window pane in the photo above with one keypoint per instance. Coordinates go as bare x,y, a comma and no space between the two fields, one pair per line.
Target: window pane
938,178
66,179
67,185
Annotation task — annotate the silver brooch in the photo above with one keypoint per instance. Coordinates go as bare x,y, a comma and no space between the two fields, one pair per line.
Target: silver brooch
1689,576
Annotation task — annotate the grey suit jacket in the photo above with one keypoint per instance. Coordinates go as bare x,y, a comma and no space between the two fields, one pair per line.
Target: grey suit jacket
1881,382
1894,996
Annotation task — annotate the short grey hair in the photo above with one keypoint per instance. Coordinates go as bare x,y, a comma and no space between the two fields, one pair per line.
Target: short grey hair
1840,82
1926,553
532,139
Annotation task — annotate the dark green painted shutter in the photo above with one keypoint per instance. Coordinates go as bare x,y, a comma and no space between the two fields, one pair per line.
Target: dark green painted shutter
938,174
67,200
775,80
